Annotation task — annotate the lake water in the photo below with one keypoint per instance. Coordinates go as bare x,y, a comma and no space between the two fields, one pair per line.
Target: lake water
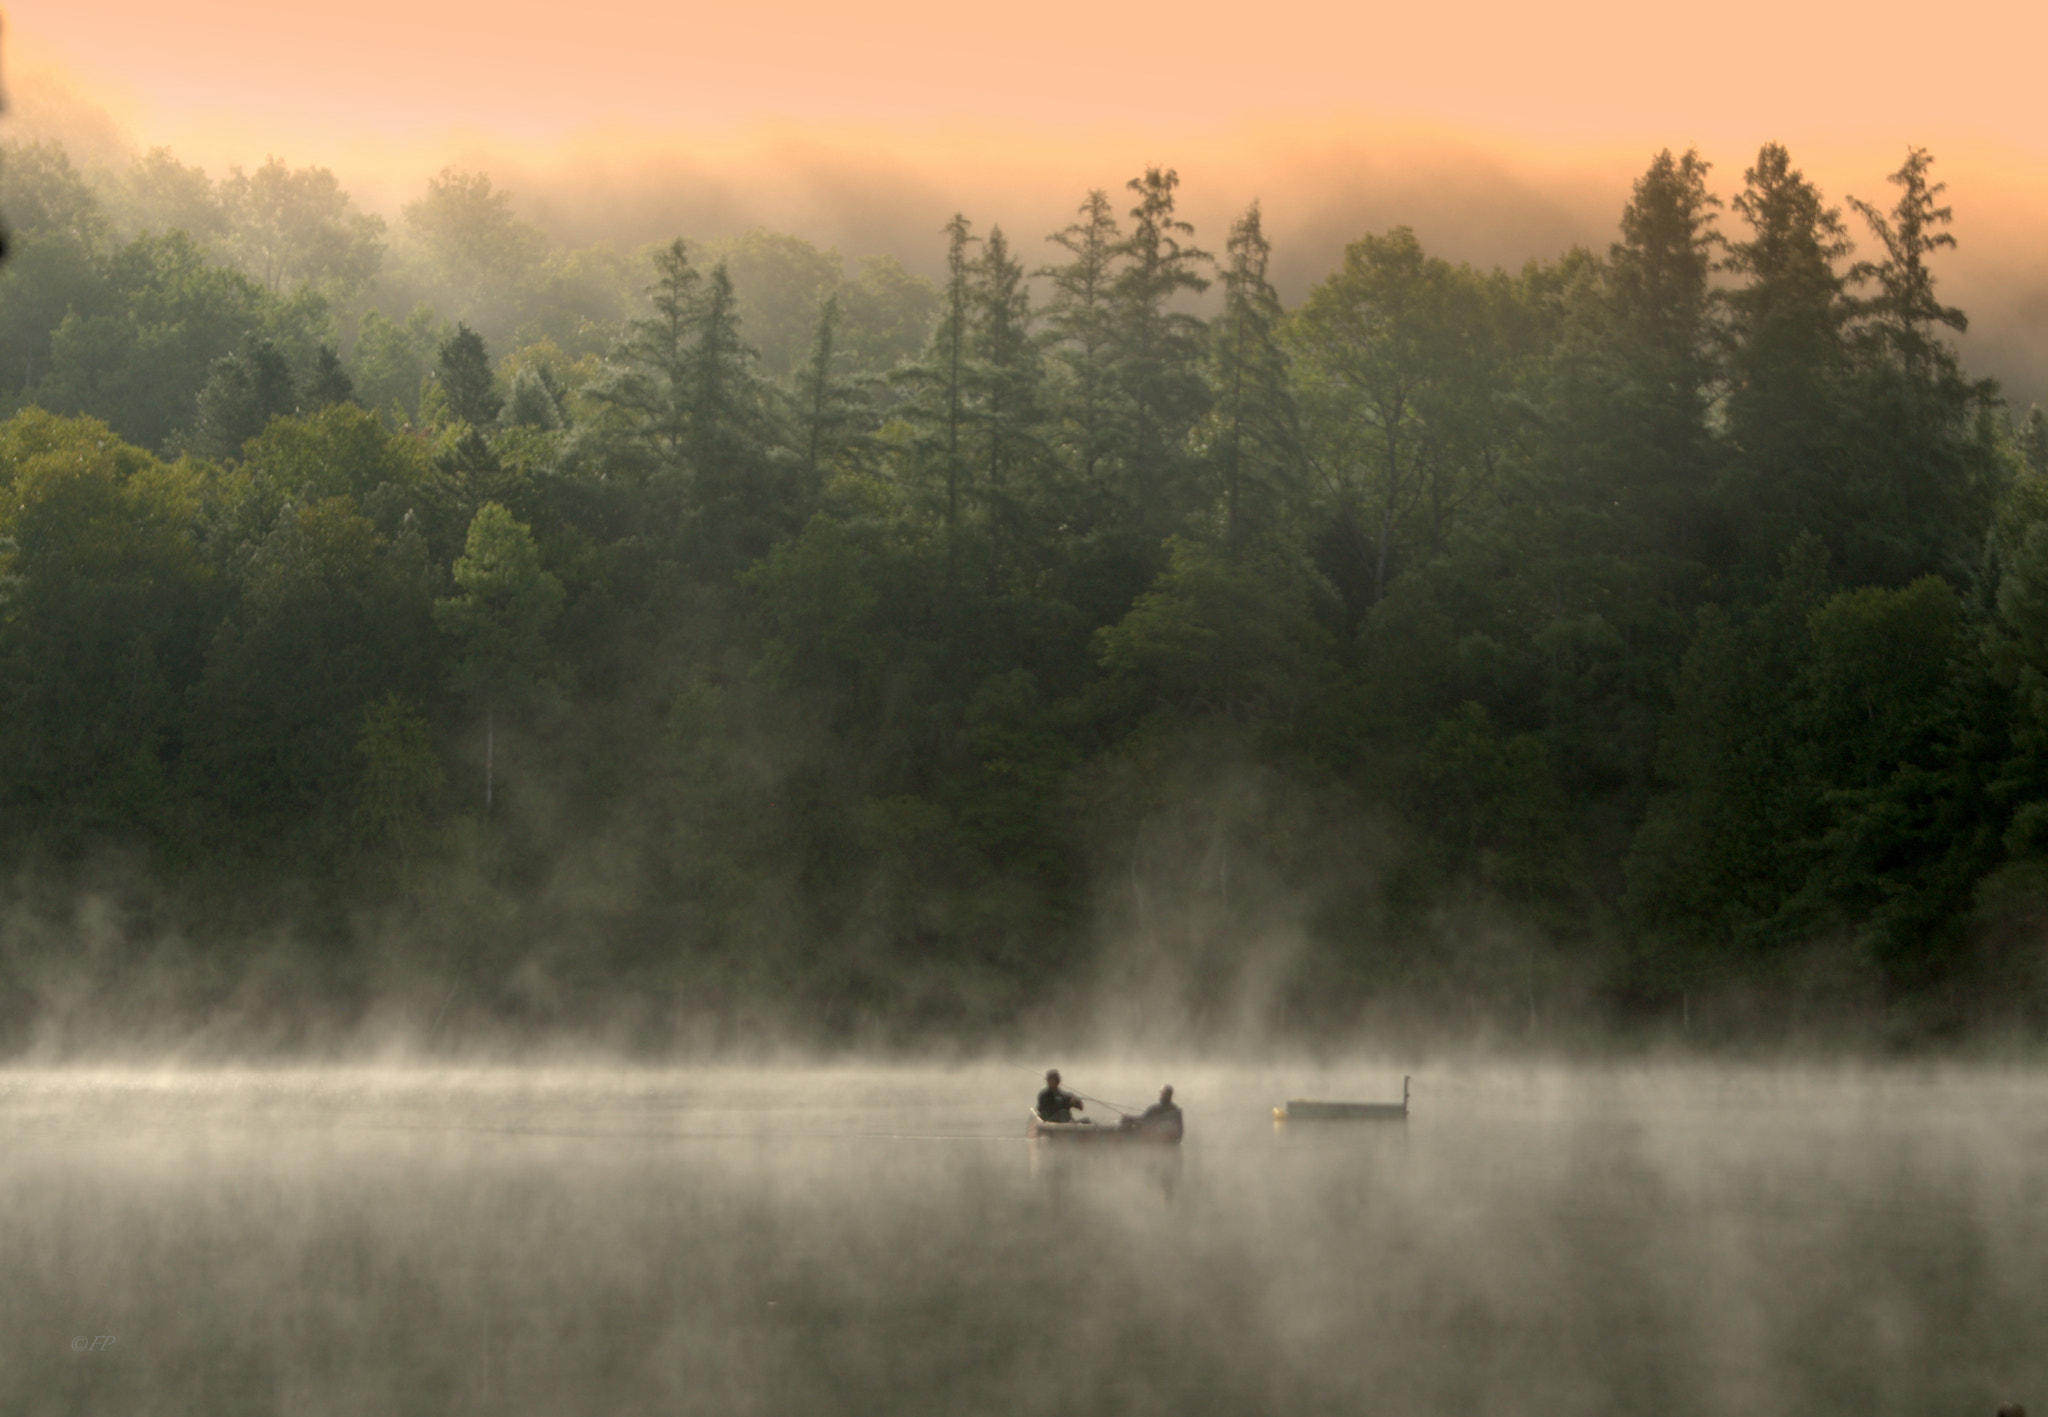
1533,1240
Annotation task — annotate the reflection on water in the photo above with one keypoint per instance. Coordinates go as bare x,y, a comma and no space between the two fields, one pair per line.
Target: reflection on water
886,1241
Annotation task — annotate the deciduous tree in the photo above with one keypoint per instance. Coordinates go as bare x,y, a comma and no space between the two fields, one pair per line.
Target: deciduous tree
500,621
287,227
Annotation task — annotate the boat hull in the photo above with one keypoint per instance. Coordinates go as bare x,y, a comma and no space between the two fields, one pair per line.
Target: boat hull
1088,1134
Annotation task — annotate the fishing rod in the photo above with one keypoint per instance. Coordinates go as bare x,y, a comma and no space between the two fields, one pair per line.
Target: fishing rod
1103,1101
1116,1107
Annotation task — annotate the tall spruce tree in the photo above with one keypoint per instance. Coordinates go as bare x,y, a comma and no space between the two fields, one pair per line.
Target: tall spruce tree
1158,356
1257,445
949,356
329,383
1926,469
1004,378
1903,315
243,392
1786,360
740,500
466,380
1665,373
827,406
1080,319
644,393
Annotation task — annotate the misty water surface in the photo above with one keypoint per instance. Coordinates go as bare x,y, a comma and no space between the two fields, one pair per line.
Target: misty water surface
883,1240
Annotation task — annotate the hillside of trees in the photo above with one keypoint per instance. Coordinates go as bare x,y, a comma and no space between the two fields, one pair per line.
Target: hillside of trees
420,629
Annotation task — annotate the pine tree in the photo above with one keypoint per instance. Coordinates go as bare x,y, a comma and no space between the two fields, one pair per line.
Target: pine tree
1786,357
1157,362
1925,468
243,392
466,380
949,357
1080,318
1005,375
330,383
937,407
644,393
826,405
1658,455
1257,447
738,499
1903,315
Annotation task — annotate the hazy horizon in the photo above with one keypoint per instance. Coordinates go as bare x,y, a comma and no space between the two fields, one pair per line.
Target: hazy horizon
1474,185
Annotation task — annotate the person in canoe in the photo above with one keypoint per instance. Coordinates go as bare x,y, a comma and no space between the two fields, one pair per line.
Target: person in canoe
1055,1103
1164,1114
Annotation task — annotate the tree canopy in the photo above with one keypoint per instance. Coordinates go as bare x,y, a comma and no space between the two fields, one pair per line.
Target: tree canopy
731,627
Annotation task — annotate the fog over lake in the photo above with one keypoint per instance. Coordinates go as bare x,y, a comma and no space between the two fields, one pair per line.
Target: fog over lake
1533,1240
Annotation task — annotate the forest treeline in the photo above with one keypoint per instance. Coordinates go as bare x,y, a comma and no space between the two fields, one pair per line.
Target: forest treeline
710,635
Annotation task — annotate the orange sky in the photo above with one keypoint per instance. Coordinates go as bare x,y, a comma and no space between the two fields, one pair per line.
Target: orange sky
1736,71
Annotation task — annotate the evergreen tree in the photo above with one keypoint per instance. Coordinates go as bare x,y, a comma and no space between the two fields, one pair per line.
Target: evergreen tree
1005,378
536,400
938,411
1257,446
329,383
1080,318
1157,358
947,364
740,500
1903,315
1786,360
243,392
1925,469
827,406
644,394
466,379
1665,371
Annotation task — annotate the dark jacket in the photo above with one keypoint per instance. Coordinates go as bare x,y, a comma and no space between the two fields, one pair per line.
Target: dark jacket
1056,1104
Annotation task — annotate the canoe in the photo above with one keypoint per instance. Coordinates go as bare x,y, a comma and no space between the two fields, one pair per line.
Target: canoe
1164,1133
1299,1110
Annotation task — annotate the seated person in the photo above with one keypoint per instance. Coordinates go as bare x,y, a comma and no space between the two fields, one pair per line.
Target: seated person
1163,1113
1055,1103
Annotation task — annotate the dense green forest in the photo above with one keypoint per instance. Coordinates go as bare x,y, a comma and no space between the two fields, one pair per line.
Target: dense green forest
419,628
